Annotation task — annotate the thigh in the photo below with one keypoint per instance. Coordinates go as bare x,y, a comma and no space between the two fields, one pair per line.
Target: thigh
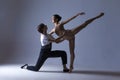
68,35
56,53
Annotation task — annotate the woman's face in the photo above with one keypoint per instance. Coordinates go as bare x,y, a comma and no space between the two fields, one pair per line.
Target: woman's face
54,20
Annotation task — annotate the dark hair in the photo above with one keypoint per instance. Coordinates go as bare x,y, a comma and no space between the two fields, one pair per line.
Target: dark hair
40,27
58,17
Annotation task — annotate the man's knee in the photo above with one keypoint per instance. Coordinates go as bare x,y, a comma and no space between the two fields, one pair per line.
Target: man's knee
64,53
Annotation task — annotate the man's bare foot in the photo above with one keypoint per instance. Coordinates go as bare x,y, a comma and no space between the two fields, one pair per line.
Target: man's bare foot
65,70
25,65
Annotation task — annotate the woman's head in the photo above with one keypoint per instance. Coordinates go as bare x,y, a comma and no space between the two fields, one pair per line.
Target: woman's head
56,18
42,28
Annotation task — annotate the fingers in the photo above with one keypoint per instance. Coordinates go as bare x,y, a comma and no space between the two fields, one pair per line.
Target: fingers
82,13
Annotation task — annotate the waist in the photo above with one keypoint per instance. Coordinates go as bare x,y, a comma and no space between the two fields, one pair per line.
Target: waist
60,33
47,46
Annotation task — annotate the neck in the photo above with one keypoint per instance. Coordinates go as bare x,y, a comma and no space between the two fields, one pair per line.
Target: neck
56,24
45,33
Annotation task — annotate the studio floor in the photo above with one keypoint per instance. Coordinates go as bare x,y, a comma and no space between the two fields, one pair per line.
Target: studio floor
14,72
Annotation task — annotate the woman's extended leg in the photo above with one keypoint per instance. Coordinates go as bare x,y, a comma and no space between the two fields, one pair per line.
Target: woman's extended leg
72,54
80,27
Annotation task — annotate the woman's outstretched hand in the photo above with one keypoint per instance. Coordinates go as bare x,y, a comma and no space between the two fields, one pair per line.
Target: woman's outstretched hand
82,13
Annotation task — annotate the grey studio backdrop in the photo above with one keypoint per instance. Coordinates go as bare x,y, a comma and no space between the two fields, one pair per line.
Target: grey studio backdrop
96,47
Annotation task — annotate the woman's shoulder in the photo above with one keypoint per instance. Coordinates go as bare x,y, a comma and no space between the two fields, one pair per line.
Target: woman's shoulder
62,23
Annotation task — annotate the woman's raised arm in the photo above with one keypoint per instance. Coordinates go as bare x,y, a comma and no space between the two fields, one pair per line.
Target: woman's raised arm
66,21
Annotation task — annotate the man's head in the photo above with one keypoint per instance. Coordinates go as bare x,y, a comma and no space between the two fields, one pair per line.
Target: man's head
42,28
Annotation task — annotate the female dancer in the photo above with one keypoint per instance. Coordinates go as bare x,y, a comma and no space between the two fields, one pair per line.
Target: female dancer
70,34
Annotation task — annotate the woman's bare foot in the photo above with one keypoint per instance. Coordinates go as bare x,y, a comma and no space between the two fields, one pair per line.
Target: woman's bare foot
71,68
100,15
92,19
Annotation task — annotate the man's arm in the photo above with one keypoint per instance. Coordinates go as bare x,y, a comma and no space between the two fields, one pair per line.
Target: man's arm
60,39
52,31
57,40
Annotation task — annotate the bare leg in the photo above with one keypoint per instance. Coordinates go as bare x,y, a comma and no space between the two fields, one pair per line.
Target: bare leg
80,27
72,55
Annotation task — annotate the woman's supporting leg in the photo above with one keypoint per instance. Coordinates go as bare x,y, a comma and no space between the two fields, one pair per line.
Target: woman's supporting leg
80,27
72,54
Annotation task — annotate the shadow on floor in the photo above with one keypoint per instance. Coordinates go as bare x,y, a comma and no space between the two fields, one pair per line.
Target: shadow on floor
106,73
109,73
